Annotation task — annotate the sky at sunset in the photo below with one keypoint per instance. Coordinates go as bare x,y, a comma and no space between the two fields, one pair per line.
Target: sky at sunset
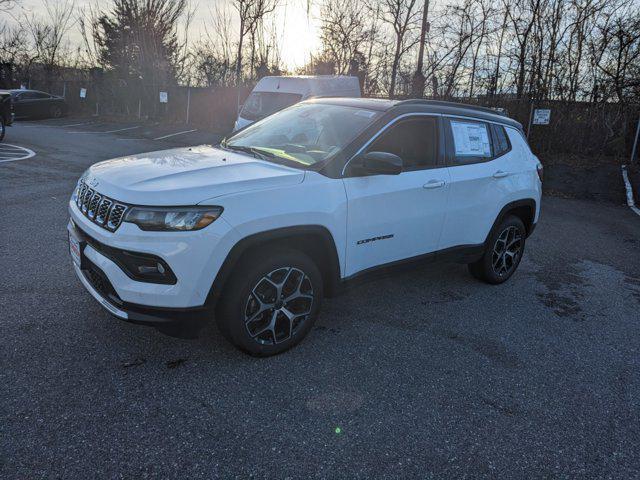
298,33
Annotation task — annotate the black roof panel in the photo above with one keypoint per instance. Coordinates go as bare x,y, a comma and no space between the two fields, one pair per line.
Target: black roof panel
420,105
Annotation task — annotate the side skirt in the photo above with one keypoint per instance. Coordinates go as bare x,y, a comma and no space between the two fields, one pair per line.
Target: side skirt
460,254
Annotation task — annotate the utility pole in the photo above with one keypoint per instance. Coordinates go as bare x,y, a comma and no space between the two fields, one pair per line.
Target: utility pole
418,78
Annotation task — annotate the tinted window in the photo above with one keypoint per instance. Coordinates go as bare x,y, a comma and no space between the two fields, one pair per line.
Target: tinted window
414,140
501,143
32,95
471,141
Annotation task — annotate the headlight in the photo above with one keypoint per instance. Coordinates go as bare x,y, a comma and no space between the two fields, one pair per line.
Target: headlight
159,219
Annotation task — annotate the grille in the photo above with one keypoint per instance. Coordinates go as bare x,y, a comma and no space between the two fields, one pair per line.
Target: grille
101,210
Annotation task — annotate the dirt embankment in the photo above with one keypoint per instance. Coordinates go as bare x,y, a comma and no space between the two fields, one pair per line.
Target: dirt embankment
583,177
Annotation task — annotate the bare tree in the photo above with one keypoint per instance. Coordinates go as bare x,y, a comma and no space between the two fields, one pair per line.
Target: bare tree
13,43
616,52
213,54
48,34
418,77
481,15
402,16
343,34
523,15
250,12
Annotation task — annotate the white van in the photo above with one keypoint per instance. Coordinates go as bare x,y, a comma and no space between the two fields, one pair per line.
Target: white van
276,93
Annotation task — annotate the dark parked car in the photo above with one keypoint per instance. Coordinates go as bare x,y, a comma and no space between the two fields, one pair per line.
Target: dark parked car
6,112
33,103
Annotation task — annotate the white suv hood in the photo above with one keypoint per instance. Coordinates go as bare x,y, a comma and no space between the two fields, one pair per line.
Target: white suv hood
185,176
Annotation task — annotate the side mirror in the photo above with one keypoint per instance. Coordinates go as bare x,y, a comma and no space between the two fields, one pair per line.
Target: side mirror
377,163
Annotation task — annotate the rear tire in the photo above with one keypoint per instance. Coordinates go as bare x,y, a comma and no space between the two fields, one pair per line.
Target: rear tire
2,129
55,111
504,250
271,301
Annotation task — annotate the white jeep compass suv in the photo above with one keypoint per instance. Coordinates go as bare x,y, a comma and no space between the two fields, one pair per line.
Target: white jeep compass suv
256,231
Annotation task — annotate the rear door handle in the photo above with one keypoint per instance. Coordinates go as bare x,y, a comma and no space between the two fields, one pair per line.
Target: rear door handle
434,184
500,174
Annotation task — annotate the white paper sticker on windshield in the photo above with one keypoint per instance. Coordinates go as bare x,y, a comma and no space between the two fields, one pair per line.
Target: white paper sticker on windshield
365,113
471,139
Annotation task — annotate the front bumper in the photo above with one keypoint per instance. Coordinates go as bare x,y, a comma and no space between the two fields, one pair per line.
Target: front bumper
193,257
182,322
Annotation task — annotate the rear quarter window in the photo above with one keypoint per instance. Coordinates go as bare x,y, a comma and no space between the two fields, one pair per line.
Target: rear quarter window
501,143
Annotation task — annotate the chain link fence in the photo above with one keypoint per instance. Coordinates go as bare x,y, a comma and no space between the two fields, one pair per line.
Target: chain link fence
575,128
208,108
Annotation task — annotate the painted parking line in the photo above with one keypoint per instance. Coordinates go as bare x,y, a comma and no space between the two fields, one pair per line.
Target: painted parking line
174,134
108,131
49,125
13,153
627,184
72,124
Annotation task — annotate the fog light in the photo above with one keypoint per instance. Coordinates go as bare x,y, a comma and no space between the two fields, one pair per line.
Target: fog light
144,267
151,269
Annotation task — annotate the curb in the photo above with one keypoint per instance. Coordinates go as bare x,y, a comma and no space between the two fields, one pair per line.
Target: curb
629,188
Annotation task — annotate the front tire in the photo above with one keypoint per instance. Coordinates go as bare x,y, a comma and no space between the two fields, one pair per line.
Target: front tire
504,250
271,301
2,129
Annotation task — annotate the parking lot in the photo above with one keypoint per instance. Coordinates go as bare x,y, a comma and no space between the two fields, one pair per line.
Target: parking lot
425,374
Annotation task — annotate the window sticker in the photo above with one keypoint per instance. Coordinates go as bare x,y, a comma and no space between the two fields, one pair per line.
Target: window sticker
364,113
471,139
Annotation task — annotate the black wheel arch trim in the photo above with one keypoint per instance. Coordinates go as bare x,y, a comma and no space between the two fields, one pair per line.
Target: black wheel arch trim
510,207
330,271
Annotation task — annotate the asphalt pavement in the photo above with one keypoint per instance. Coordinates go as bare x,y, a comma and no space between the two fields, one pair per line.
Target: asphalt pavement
425,374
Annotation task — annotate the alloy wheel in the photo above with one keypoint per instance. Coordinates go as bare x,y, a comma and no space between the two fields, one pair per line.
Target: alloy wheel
278,305
507,251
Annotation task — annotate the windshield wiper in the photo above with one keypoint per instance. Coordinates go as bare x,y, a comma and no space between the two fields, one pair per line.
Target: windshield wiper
261,154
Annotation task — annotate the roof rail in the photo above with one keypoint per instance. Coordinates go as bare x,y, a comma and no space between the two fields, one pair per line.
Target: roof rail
443,103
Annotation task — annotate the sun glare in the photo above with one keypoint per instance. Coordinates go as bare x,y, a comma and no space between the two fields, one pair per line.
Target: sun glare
299,34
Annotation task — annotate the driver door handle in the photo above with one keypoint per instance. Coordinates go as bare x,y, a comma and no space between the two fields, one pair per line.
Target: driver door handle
500,174
434,184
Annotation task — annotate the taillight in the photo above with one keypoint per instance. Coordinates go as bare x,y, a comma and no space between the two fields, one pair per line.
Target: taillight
540,169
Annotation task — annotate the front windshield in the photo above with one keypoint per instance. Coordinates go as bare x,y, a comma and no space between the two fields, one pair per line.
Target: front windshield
307,133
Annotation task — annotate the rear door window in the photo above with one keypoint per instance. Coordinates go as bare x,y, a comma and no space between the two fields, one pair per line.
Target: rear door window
27,96
471,141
